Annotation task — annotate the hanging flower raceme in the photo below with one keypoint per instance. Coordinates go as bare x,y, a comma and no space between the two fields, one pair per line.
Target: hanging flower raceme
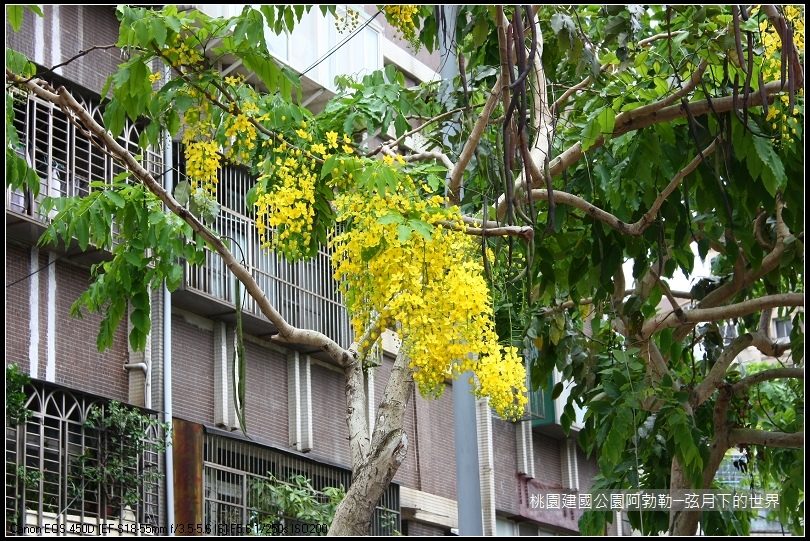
397,263
284,210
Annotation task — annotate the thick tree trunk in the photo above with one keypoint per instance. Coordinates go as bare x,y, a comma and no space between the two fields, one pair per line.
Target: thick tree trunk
355,512
681,523
389,446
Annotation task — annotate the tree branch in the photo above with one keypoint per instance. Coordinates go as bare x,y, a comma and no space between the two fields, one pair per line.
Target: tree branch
457,172
717,374
625,123
751,436
699,315
356,401
767,375
287,332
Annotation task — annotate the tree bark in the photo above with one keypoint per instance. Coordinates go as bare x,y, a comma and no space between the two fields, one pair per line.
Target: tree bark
389,446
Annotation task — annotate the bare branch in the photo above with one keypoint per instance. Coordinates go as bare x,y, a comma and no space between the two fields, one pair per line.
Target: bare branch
555,107
637,228
424,156
287,332
769,262
525,232
625,123
457,172
750,436
717,374
699,315
768,375
395,142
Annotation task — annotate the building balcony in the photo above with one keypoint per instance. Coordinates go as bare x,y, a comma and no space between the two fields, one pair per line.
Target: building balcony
305,293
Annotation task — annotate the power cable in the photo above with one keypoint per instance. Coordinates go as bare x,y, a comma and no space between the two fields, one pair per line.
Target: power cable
345,40
69,252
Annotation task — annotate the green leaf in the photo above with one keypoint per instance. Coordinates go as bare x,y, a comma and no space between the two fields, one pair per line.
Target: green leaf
404,233
136,260
15,16
390,218
773,176
182,192
143,31
422,227
557,391
289,21
140,319
607,119
481,31
590,134
82,232
368,253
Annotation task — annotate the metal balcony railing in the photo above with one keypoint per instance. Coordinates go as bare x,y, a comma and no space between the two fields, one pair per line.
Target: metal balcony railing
305,293
67,161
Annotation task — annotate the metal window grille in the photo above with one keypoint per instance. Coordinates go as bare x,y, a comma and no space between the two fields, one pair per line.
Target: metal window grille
305,292
44,482
232,468
63,154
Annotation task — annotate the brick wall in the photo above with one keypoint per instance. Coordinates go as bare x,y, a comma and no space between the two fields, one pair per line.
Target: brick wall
504,445
588,469
547,461
419,529
266,394
430,464
437,444
192,371
78,363
330,434
18,311
62,33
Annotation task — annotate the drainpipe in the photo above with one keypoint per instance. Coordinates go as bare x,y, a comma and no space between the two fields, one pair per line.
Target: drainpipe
147,385
168,179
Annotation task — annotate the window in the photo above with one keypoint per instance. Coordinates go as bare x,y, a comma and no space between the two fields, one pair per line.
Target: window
44,480
232,468
305,293
782,327
63,154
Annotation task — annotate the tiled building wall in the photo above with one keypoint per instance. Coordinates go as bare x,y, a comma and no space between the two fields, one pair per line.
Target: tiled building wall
504,444
79,364
192,370
547,461
419,529
437,444
330,434
266,394
588,469
430,464
69,342
62,33
18,311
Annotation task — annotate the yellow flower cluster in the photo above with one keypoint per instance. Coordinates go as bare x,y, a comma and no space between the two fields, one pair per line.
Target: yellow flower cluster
401,18
782,119
433,287
284,214
242,134
181,53
202,164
